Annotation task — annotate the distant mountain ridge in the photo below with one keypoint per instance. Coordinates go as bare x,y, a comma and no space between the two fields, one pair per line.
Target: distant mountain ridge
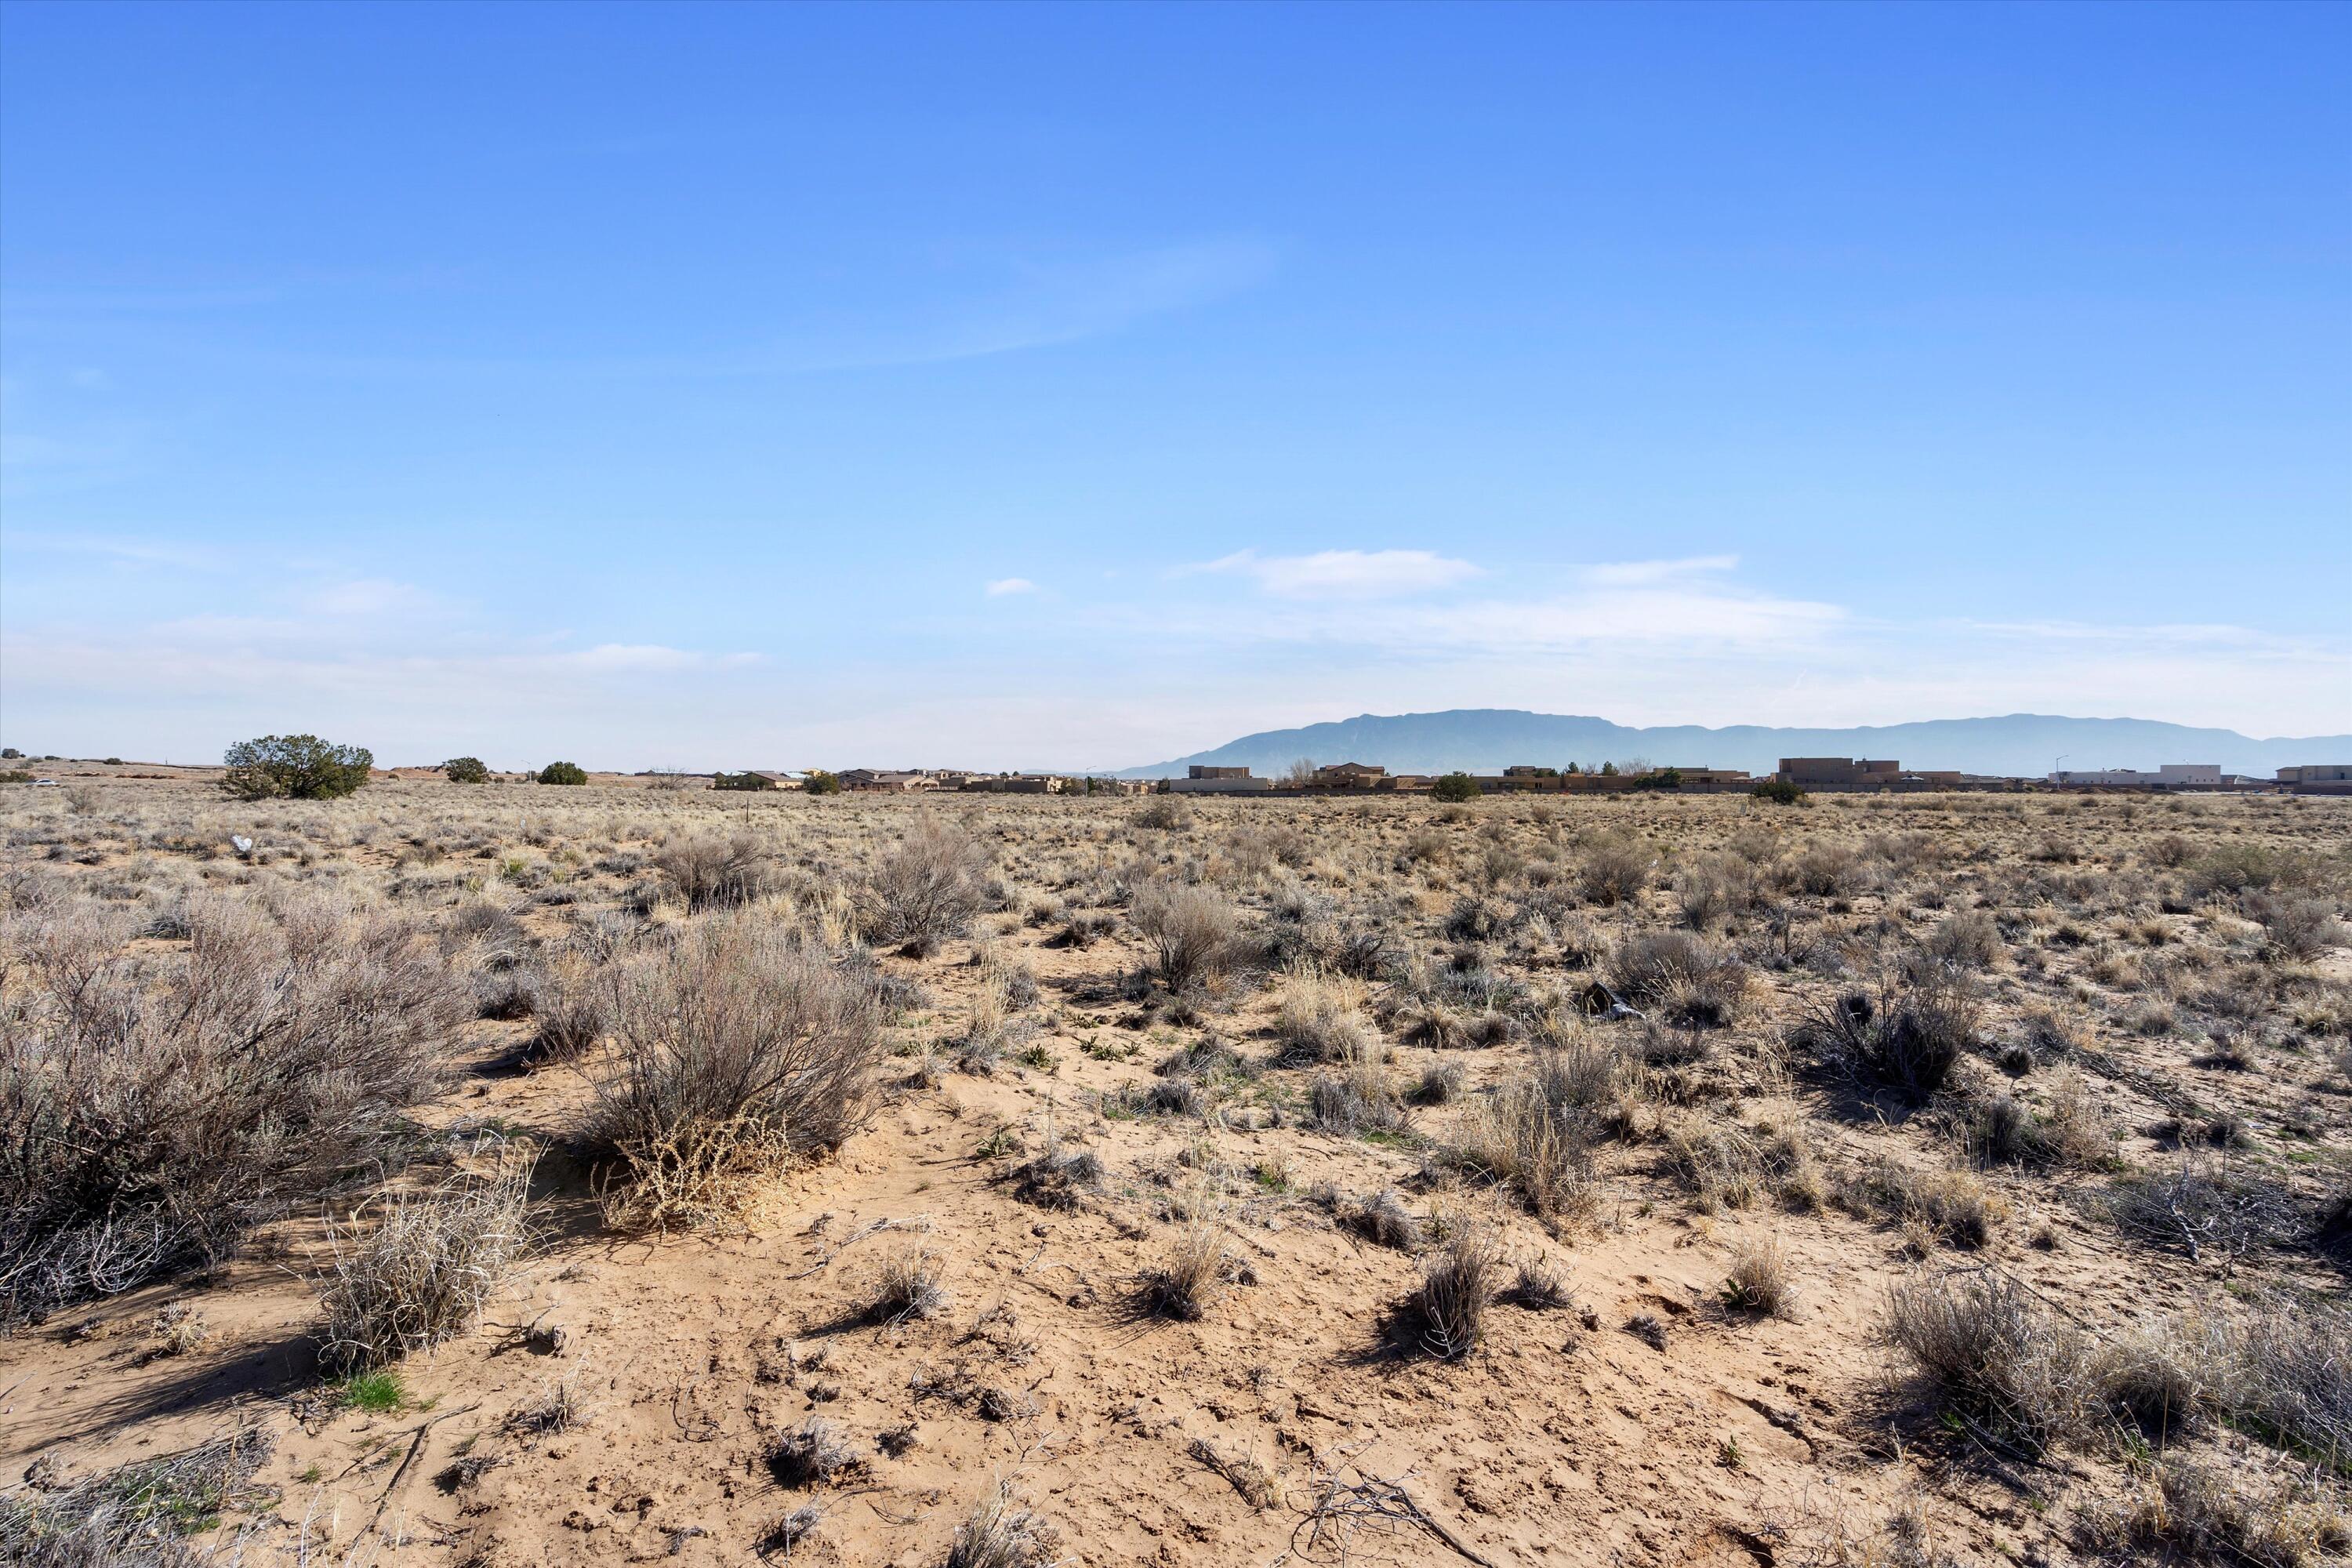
1487,740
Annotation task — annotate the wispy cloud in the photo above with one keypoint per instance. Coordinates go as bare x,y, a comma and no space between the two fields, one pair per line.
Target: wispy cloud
1003,586
1639,574
1342,573
130,551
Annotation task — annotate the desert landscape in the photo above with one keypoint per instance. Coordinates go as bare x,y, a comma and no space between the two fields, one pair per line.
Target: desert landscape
513,1175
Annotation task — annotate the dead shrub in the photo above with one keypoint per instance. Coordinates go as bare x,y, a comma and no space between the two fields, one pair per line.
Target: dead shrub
1615,871
1166,814
734,1050
2003,1362
2295,926
1193,932
1826,870
925,891
1907,1033
158,1107
2203,1206
1710,890
1690,980
1968,939
418,1270
715,873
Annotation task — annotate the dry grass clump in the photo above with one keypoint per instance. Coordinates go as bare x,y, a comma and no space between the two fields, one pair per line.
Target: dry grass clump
813,1454
2202,1511
1459,1283
158,1106
1953,1206
1000,1533
1189,1274
1441,1083
2005,1362
925,891
1907,1033
571,1012
1968,939
2164,1374
1358,1099
715,873
1245,1472
1541,1148
1381,1218
559,1407
1615,870
2290,1376
419,1270
1759,1281
1693,981
909,1286
734,1050
2003,1128
1320,1019
1194,933
139,1515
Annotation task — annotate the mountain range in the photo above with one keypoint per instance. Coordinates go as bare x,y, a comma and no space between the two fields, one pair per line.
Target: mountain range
1487,740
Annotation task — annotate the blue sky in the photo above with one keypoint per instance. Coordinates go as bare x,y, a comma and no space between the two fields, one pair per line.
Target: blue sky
1071,386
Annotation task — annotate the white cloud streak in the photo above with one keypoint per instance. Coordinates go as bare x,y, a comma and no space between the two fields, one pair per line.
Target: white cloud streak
1342,573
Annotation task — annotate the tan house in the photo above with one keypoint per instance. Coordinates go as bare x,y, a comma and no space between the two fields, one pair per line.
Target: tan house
1348,776
871,781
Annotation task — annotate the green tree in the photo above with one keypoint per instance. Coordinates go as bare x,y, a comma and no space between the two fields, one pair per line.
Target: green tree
1780,790
465,770
1608,770
1664,778
563,774
294,767
823,783
1455,787
742,781
10,753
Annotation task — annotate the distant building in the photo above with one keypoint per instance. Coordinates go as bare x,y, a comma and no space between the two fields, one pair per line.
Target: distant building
2318,778
2171,775
871,781
1218,781
1348,776
1838,772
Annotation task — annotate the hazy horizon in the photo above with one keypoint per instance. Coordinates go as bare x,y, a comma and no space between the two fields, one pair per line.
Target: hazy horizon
1044,387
